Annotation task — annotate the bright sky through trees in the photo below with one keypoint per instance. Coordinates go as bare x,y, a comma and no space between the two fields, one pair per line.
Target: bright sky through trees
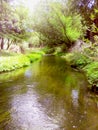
31,4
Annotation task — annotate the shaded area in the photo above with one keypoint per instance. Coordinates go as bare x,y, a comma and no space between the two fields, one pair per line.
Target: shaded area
49,95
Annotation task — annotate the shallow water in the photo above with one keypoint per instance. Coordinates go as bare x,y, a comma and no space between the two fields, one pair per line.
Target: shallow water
48,95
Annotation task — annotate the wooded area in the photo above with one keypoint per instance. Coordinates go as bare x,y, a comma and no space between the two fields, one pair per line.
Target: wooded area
54,23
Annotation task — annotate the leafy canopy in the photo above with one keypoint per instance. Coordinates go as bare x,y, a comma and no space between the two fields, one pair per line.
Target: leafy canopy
56,26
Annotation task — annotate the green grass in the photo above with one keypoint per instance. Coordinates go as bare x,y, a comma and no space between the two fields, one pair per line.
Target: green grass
14,62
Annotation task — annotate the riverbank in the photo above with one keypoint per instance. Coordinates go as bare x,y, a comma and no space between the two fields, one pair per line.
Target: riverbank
9,63
83,58
85,63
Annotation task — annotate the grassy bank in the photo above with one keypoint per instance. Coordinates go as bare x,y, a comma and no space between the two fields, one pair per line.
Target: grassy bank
18,61
85,63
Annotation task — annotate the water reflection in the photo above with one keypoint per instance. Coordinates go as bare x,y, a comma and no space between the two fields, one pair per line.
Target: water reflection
49,95
28,73
75,97
27,112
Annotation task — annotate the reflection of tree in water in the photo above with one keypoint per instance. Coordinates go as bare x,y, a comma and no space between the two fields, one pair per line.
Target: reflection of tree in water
58,90
62,94
92,113
9,86
12,76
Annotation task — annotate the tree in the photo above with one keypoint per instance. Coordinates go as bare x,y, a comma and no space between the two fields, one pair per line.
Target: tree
56,26
14,24
85,8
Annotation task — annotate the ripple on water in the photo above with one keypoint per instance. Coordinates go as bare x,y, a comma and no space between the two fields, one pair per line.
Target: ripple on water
27,113
47,96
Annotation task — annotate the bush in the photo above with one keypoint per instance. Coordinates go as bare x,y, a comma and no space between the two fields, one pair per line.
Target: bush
48,50
77,59
56,26
15,62
58,51
92,72
34,56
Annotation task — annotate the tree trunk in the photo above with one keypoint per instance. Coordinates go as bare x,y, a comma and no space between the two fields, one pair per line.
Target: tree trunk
21,49
9,43
2,43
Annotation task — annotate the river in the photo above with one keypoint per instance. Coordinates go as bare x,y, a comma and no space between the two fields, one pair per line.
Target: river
48,95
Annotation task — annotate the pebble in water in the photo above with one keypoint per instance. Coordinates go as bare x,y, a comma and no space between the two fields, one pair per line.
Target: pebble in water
74,126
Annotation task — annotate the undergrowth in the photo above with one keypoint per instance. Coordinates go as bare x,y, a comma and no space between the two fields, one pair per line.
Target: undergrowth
89,66
14,62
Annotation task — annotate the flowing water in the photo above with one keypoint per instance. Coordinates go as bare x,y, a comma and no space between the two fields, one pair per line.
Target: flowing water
48,95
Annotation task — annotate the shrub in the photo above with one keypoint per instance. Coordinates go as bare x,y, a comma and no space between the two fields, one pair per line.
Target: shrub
56,26
92,72
34,56
77,59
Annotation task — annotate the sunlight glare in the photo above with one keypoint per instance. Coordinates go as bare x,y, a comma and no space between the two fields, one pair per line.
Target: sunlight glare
30,4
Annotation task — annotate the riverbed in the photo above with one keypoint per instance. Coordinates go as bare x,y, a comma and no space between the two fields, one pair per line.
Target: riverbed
48,95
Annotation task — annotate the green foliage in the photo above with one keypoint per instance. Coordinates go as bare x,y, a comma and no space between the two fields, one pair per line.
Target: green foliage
86,64
92,72
77,59
15,23
60,50
56,26
74,27
15,62
34,56
34,40
68,57
91,51
48,50
84,7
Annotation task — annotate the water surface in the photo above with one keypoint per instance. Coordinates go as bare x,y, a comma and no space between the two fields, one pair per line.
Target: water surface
48,95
